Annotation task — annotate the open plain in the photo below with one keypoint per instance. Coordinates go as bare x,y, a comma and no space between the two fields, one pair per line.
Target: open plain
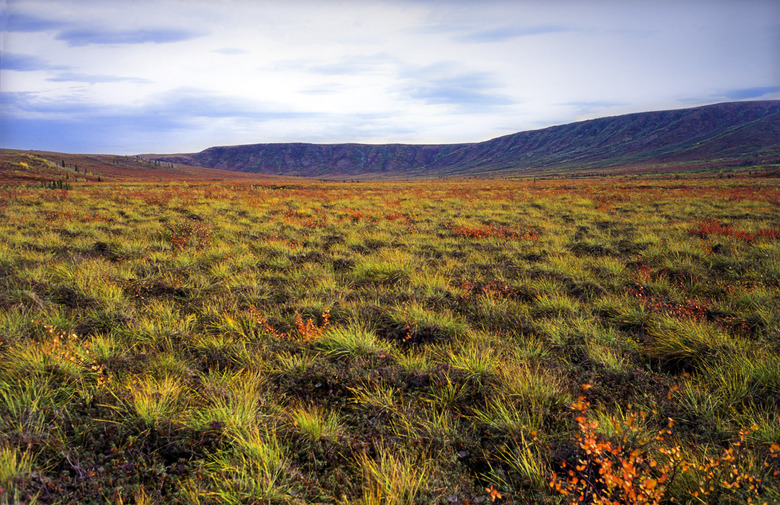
610,340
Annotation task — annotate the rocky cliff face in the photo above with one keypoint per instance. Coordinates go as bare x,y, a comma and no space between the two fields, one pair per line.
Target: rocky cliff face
726,133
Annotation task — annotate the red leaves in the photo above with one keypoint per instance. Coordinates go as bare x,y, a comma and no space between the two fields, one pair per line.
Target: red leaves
715,227
186,235
494,288
522,233
689,308
51,216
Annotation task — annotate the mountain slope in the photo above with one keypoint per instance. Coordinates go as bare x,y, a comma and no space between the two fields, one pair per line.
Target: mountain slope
33,168
719,135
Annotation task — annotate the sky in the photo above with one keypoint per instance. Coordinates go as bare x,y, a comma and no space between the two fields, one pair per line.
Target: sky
174,76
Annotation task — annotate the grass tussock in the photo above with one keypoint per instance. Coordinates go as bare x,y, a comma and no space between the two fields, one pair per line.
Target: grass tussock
393,478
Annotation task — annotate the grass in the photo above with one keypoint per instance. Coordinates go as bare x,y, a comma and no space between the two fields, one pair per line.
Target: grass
156,401
314,424
351,341
393,478
381,343
254,471
14,465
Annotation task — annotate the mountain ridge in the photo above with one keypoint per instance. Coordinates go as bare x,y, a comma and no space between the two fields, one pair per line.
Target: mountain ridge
724,134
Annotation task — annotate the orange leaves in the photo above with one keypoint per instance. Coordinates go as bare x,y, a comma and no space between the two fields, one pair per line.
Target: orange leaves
314,223
493,493
274,238
394,216
310,331
581,405
61,345
307,331
611,472
356,215
263,322
769,233
725,472
630,469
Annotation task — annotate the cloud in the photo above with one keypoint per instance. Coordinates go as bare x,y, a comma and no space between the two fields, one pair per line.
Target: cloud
25,104
323,89
587,107
437,84
594,103
95,78
25,63
85,36
94,134
358,128
18,22
164,113
198,103
351,65
355,64
30,63
190,119
511,32
746,93
456,91
230,51
171,107
72,125
75,35
736,94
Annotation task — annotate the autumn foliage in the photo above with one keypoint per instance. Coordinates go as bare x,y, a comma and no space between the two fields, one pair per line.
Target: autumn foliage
520,233
633,466
623,471
714,227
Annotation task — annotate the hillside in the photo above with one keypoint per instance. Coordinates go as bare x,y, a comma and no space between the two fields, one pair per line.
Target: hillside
38,167
718,135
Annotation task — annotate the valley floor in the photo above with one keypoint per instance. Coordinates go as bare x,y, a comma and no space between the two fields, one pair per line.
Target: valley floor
604,340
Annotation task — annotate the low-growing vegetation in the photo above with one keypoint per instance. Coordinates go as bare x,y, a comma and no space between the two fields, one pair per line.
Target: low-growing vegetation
607,341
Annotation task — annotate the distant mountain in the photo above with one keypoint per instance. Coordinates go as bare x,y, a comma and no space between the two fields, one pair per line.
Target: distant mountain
727,134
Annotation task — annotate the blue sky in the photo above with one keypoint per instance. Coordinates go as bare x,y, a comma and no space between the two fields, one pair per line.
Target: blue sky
167,76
